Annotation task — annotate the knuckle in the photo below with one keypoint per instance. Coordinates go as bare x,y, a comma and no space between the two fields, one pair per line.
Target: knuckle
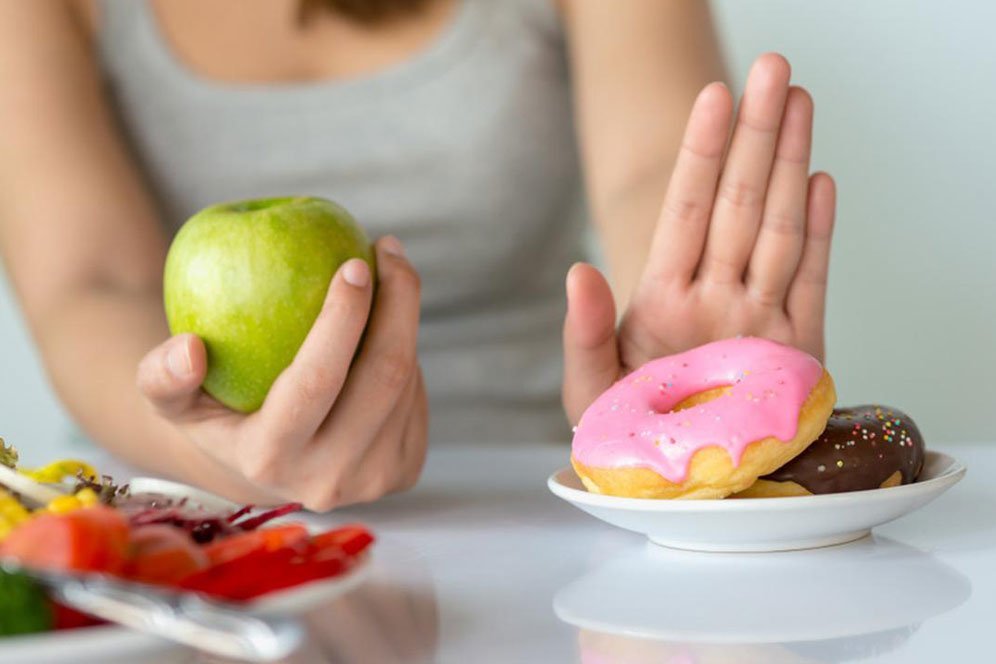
739,193
755,122
326,494
341,310
686,210
378,486
819,238
316,383
766,297
408,278
812,277
783,223
699,151
393,369
408,481
723,269
324,501
412,474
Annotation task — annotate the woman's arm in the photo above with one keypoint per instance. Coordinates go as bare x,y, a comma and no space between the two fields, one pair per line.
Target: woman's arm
79,236
85,253
637,67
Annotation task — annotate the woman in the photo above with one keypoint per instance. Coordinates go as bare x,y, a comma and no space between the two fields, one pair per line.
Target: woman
450,125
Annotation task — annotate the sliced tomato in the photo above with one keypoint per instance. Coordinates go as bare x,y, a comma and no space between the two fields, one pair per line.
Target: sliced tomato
290,536
263,561
163,555
351,540
240,578
92,539
262,572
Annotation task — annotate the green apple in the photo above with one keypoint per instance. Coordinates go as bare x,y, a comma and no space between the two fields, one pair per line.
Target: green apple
249,278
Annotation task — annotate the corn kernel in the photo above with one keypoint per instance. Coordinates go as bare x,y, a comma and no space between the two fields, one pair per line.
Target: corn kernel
87,497
63,504
11,508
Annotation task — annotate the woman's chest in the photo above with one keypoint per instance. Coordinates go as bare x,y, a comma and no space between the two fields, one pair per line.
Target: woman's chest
234,41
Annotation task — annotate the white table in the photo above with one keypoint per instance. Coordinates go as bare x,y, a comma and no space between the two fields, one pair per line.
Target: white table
476,563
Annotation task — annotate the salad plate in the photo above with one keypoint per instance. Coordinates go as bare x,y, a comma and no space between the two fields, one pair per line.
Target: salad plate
293,601
65,518
762,524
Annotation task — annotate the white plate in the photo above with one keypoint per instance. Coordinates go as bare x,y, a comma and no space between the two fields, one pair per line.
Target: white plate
762,524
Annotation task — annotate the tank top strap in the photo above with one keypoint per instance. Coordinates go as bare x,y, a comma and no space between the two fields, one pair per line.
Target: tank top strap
119,27
117,18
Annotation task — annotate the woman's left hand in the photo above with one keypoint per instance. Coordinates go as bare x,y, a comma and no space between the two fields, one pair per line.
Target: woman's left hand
742,244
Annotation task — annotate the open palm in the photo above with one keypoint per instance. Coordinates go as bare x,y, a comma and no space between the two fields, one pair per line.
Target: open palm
741,247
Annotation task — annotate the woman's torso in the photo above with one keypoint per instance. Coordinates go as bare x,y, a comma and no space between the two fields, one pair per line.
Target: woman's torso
465,150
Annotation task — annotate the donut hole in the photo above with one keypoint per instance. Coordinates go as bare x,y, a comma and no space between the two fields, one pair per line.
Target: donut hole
701,398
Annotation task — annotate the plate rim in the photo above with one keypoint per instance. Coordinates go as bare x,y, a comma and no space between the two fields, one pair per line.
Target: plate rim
953,472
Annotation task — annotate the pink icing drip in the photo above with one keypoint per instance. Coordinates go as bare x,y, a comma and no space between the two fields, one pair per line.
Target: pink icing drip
630,424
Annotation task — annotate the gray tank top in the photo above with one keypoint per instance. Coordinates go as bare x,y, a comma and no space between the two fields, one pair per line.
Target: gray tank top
466,152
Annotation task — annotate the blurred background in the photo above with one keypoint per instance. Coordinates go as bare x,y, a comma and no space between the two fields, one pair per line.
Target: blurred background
905,92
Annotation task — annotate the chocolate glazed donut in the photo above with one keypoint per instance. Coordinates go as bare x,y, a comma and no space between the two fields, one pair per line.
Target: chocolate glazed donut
864,447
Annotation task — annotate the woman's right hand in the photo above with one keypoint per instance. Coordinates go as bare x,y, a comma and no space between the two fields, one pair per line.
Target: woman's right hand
332,430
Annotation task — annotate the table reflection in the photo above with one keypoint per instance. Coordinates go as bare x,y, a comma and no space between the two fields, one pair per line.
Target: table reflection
825,605
391,617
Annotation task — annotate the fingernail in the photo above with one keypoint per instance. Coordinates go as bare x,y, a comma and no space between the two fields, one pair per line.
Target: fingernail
392,245
178,360
356,272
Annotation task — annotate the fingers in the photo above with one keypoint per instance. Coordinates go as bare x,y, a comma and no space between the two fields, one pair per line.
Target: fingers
387,361
171,374
681,230
391,461
743,184
808,292
780,239
591,355
303,394
382,467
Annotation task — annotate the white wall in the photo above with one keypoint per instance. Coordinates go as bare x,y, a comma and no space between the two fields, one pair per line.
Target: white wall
905,93
30,416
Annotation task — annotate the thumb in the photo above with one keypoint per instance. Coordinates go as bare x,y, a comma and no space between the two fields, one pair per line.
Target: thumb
591,356
170,375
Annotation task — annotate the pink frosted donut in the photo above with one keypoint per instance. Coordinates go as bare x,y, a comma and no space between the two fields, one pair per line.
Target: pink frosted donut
704,423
